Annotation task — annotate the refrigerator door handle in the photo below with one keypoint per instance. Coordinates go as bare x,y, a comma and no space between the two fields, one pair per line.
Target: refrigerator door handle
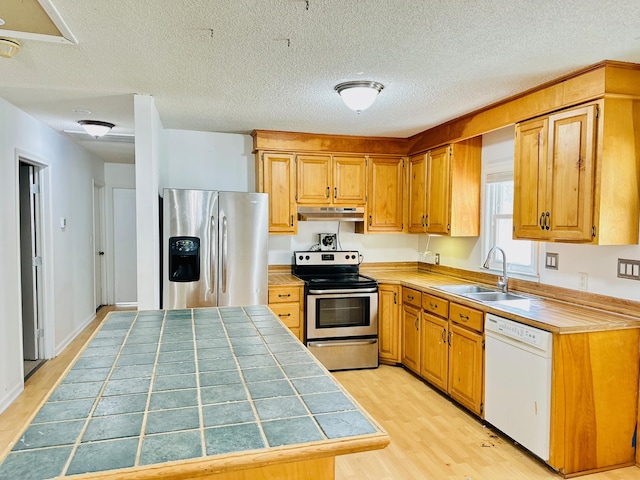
212,257
224,254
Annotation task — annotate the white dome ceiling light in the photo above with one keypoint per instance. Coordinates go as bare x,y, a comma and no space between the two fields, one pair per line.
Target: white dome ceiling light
8,47
359,95
96,128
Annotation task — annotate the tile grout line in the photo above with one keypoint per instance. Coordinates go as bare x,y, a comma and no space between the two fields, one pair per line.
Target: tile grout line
203,441
78,441
145,414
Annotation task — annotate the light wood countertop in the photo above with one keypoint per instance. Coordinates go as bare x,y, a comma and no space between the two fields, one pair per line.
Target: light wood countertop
282,279
551,315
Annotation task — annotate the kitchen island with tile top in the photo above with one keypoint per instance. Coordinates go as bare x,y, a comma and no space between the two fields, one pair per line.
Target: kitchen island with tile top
218,393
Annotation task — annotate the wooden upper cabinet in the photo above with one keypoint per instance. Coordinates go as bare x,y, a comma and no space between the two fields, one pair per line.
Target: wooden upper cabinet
278,180
554,176
439,191
349,180
331,180
384,196
417,166
314,179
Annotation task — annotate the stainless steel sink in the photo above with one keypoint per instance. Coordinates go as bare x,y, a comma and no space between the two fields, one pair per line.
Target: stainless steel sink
493,296
464,289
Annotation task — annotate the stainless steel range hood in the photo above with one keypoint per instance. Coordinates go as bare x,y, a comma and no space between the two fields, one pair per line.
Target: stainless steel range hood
327,214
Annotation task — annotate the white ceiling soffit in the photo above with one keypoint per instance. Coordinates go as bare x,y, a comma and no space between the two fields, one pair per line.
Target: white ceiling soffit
34,20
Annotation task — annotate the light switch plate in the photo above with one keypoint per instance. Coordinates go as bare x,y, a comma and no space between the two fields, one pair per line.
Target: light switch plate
629,269
551,261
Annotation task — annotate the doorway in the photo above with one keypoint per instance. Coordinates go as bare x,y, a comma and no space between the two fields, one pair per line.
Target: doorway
31,265
98,244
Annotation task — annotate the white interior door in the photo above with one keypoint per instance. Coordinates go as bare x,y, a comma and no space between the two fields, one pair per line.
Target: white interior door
124,246
98,244
30,259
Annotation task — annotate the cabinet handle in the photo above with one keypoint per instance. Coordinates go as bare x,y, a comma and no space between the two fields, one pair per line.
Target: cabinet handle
284,295
415,324
541,222
464,317
449,339
410,297
395,298
284,314
444,335
422,221
547,221
291,221
328,190
370,220
433,305
335,192
426,220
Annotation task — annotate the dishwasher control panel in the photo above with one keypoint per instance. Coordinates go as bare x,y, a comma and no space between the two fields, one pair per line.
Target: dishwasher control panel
524,333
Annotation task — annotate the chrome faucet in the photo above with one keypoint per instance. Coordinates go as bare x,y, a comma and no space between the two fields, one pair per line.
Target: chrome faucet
503,282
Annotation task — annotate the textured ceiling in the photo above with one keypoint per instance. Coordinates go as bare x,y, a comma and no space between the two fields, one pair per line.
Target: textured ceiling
239,65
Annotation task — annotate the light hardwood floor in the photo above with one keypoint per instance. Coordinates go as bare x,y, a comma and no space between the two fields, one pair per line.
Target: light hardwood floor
433,439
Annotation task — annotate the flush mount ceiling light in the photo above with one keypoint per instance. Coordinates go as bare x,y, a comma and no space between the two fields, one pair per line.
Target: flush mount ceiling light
8,47
96,128
359,95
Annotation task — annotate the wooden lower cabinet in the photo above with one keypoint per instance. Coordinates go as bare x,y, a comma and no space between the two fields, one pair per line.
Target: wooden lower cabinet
411,329
434,366
285,302
594,395
466,367
389,323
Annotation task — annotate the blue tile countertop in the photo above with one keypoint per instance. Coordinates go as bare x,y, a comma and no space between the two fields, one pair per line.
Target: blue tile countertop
159,387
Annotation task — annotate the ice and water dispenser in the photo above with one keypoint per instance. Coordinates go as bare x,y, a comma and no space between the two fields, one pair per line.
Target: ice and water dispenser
184,259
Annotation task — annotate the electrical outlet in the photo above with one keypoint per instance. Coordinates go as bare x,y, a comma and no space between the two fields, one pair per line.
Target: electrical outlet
583,278
437,255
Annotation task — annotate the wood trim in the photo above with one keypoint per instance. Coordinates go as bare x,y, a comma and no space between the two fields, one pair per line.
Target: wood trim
311,142
589,83
388,266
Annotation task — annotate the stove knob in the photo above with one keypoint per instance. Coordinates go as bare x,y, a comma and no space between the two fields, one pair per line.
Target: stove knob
307,257
353,257
347,257
300,257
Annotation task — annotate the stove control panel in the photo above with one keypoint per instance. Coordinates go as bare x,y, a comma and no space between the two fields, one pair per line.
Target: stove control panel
327,258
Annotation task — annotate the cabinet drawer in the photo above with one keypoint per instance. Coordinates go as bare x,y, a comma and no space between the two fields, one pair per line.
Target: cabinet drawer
284,294
411,296
466,316
437,306
288,313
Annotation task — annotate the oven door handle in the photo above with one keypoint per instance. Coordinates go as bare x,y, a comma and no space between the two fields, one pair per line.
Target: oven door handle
346,343
343,291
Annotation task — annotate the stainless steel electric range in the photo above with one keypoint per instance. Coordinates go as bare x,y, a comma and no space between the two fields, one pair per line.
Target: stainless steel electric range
341,309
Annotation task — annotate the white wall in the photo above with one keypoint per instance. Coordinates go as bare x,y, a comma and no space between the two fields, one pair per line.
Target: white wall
207,161
68,254
149,145
599,262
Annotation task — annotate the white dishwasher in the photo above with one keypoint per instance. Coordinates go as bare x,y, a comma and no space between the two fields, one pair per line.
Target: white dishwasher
518,382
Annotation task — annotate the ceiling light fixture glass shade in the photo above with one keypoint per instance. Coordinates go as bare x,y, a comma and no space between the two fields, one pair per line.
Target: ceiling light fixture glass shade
96,128
8,47
359,95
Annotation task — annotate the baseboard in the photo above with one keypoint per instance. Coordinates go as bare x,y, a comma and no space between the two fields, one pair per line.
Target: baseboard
67,341
11,396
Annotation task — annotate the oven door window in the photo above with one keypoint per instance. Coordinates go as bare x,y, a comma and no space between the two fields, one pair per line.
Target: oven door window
336,312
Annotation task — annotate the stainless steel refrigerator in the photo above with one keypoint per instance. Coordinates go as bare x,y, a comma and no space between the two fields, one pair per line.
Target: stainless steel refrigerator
215,248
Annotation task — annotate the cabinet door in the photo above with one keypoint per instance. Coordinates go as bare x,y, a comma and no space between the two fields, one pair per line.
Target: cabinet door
417,193
314,179
280,184
411,337
389,323
530,179
466,361
434,352
384,205
438,191
349,180
570,173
